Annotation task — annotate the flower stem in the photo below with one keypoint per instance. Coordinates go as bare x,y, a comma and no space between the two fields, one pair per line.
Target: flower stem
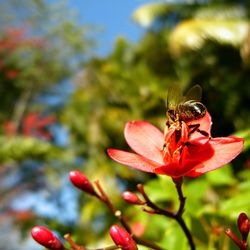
185,229
182,199
176,216
118,214
149,203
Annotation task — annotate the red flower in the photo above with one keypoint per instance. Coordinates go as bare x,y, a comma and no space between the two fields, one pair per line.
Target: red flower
11,74
34,125
9,128
176,152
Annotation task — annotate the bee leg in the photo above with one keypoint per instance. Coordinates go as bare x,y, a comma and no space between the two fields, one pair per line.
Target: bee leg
195,127
203,132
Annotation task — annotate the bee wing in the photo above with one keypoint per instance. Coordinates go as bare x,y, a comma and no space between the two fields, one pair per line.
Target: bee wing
194,93
174,96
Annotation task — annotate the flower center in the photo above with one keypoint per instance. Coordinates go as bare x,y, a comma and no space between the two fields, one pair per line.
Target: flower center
176,138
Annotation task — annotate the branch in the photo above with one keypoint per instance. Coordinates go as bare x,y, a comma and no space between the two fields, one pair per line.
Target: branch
118,214
176,216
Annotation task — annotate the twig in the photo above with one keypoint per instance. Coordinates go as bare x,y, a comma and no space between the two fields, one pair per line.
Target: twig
118,214
176,216
243,245
75,246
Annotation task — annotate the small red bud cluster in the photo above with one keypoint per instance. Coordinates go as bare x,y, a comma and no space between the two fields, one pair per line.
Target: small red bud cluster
132,198
243,224
80,181
122,238
119,235
46,238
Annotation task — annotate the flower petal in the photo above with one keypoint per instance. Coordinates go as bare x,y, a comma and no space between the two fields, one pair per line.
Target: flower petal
225,149
133,160
145,139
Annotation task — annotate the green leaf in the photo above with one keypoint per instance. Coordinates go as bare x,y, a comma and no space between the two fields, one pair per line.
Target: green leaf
19,148
246,135
198,230
161,189
174,237
221,176
195,191
237,204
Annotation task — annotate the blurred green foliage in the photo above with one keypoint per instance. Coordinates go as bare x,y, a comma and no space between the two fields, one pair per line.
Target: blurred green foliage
183,44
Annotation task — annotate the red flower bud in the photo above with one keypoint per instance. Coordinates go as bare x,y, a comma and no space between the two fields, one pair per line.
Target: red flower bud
46,238
132,198
122,238
243,225
81,181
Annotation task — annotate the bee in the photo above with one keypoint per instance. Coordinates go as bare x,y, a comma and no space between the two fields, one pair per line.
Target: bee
186,108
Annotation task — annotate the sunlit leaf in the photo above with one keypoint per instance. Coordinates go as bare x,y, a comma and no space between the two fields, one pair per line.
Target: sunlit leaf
195,191
193,34
221,12
146,14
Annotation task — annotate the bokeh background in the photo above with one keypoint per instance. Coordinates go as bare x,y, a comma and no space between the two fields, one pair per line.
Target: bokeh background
72,73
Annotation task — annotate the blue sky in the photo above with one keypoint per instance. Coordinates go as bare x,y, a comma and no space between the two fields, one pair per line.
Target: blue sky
112,16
